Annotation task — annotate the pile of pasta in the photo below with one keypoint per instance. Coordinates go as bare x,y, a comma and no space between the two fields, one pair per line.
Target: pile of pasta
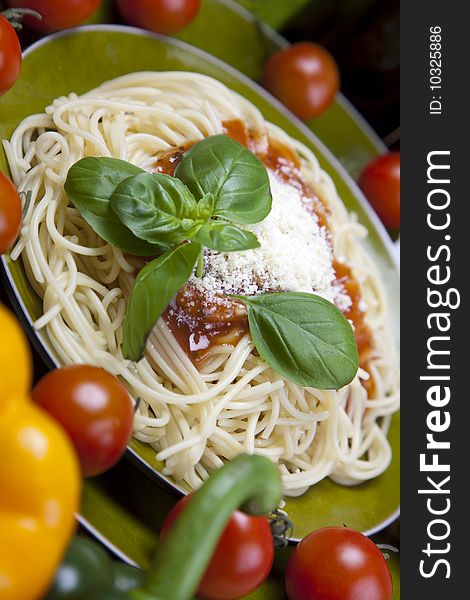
194,417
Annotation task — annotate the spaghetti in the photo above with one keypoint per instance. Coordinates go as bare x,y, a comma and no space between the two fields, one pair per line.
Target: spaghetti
197,411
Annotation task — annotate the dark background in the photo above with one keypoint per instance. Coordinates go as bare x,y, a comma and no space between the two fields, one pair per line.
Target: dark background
364,38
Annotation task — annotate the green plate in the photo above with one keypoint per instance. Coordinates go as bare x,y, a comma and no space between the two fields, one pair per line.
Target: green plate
124,510
118,50
130,528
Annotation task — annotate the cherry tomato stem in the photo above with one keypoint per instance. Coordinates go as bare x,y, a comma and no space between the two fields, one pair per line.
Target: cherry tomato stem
16,15
57,14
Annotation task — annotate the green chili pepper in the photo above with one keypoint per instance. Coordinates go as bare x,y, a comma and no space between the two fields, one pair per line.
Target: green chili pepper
86,571
251,483
84,567
126,578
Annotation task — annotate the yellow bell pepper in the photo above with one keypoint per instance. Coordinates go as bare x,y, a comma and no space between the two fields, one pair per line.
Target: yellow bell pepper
15,358
39,483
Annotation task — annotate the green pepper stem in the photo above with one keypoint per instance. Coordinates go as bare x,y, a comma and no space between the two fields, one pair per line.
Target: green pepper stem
251,483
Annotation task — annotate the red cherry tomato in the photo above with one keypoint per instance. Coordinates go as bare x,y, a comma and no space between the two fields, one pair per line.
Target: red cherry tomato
336,563
10,56
162,16
380,182
242,559
304,77
10,213
57,14
95,410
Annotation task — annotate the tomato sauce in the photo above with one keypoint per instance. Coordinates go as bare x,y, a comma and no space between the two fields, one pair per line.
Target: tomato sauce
284,162
356,314
168,162
199,321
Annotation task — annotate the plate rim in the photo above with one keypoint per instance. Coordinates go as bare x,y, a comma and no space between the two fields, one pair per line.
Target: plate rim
18,303
307,132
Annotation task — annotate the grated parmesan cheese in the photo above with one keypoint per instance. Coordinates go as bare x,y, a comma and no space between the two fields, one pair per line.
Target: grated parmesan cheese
295,255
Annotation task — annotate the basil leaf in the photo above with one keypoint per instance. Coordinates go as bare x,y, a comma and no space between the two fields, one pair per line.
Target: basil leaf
236,177
224,237
156,208
90,184
154,287
304,338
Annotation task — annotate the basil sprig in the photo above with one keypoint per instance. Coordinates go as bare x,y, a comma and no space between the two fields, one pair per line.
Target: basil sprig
217,185
148,214
304,338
